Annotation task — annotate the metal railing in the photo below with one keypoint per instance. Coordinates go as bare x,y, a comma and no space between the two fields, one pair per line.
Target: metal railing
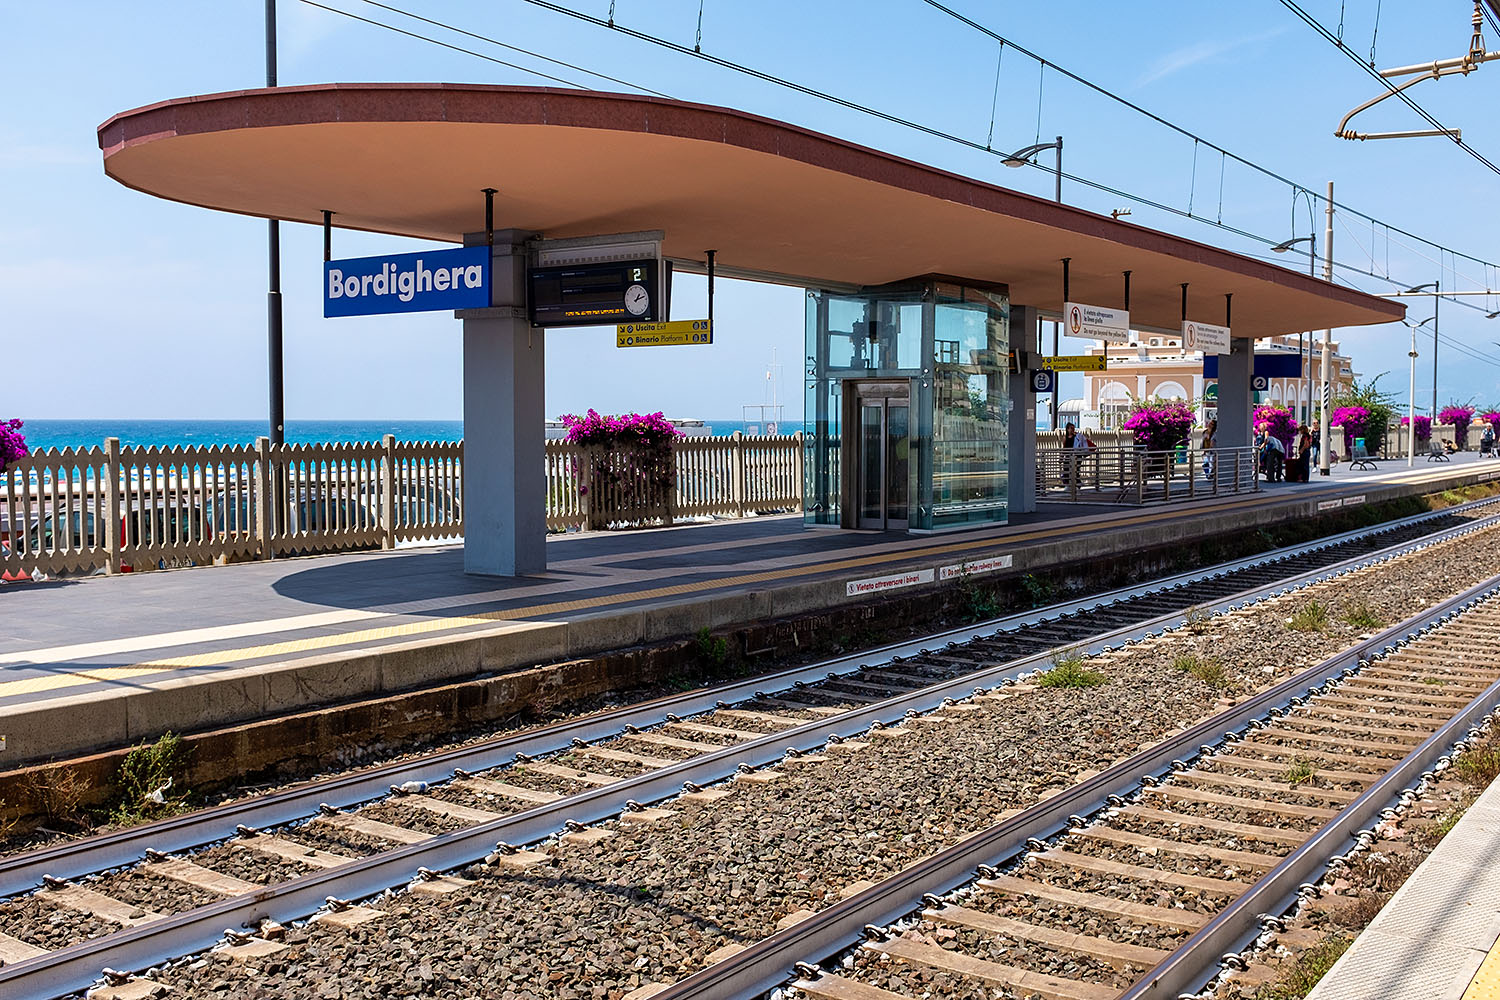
1137,476
119,509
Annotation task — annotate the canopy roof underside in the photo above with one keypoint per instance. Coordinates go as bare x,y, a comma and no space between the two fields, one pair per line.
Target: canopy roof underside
774,200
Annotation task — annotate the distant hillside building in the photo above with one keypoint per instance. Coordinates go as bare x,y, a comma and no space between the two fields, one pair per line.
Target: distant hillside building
1158,367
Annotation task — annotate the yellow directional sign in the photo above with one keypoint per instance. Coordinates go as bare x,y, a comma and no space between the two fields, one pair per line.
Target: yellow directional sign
1071,362
674,334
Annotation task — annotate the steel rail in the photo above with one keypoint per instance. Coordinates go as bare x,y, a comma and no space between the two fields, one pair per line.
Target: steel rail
22,872
1195,962
76,966
765,964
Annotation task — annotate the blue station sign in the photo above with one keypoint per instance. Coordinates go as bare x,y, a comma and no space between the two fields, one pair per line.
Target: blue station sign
407,282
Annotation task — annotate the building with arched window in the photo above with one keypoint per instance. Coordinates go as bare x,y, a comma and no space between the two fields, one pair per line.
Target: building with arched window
1156,367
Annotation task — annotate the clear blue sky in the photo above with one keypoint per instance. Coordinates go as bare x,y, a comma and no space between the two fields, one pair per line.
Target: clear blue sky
118,304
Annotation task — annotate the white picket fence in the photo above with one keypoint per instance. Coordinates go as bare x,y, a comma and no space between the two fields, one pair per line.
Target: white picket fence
120,509
732,477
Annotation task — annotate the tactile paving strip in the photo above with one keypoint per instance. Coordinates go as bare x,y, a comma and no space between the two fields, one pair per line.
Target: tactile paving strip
1486,982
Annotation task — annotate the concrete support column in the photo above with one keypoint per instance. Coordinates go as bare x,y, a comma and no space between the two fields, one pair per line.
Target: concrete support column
1234,394
505,518
1021,452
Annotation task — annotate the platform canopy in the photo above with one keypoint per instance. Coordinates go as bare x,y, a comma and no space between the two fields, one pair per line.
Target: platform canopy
776,201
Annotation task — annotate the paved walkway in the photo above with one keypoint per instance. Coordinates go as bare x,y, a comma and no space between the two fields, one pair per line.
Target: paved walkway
61,634
143,652
1436,938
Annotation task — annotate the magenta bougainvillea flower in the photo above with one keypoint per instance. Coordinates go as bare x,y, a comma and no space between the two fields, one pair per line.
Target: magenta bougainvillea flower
627,428
1424,427
1352,420
1160,426
12,444
628,464
1458,415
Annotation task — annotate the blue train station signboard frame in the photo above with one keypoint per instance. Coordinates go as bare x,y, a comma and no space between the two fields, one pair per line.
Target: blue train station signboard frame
426,281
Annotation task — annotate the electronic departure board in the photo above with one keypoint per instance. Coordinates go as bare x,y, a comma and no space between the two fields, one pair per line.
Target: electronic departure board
595,294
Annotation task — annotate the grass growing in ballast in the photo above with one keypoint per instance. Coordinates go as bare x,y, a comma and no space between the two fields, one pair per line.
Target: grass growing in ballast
1207,669
1068,671
1299,979
1358,614
1311,617
1301,770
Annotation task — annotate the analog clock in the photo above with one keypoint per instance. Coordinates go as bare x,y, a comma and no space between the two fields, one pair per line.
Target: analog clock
637,300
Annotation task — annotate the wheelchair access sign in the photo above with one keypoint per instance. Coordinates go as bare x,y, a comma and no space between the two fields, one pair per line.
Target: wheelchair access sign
679,333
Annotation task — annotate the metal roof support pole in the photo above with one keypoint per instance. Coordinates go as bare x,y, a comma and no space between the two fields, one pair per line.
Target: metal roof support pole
1056,332
1021,462
273,290
710,255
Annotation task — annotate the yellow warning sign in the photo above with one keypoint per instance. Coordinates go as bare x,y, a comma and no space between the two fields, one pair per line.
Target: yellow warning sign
1071,362
675,334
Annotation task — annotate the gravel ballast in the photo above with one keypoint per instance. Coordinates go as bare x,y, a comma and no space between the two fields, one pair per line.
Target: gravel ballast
651,903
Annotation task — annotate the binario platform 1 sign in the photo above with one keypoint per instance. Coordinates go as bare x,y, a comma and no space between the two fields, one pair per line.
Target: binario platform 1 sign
407,282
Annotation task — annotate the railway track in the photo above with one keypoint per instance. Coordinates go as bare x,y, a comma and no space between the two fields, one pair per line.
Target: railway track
1144,880
517,796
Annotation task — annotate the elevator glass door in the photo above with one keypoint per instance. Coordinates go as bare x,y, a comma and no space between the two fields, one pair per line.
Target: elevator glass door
882,468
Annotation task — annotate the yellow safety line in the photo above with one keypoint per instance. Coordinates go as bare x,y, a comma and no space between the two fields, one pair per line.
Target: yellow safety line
406,630
1486,982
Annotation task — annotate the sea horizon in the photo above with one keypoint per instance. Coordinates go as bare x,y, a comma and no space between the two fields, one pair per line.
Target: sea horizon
44,433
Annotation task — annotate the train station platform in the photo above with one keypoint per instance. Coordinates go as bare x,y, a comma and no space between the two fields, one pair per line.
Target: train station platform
108,661
1439,936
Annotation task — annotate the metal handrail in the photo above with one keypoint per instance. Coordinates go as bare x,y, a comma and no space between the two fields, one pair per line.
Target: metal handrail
1138,475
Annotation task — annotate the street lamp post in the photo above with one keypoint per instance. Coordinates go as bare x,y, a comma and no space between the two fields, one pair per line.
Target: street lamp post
1411,411
273,247
1325,466
1020,158
1411,394
1304,339
1437,294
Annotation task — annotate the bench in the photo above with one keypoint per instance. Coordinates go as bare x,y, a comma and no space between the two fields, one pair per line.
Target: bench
1437,454
1362,459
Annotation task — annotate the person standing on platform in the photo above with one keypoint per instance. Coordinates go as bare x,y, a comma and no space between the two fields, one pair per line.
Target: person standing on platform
1272,456
1302,463
1210,435
1077,442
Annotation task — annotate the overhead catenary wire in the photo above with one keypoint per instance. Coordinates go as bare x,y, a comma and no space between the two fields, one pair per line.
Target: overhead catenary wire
1406,99
516,48
989,138
1186,133
446,45
959,140
895,119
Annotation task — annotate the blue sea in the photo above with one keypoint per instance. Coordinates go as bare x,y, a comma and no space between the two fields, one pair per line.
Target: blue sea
139,433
